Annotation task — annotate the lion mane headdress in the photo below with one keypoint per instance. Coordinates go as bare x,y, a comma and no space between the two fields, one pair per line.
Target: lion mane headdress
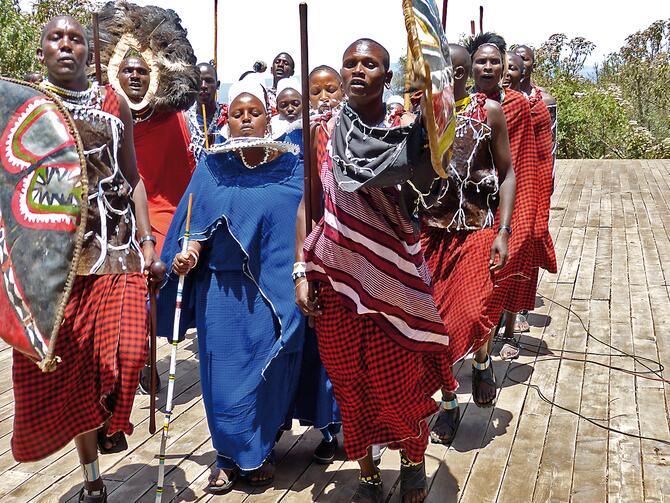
157,36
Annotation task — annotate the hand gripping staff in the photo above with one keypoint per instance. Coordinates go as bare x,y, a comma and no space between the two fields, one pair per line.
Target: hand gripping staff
173,362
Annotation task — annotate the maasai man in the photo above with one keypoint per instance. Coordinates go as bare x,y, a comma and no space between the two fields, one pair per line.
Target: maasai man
465,242
376,320
527,86
162,144
283,66
215,113
238,292
488,52
102,340
544,254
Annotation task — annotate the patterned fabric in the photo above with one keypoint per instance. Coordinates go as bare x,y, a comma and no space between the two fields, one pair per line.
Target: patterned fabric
383,390
109,245
519,267
165,164
370,253
99,372
459,261
196,128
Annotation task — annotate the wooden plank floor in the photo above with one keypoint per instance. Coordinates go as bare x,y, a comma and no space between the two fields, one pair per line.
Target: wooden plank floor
611,224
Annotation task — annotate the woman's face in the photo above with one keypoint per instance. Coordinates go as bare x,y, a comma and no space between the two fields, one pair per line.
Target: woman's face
514,71
325,91
487,68
289,105
247,117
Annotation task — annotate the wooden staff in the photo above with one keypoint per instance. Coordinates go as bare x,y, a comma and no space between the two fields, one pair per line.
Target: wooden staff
472,27
481,19
204,126
216,31
444,14
156,275
304,70
173,360
96,47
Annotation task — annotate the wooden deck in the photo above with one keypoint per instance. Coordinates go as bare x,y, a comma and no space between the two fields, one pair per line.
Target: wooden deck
611,224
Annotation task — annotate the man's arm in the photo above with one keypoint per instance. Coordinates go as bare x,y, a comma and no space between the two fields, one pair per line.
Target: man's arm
128,165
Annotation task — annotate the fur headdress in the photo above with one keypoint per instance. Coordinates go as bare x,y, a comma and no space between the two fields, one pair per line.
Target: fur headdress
157,35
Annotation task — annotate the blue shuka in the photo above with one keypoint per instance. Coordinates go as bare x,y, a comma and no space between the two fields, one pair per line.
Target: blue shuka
241,299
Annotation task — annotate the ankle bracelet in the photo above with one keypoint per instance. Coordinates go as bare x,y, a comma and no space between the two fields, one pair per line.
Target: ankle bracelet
449,404
373,480
483,365
91,470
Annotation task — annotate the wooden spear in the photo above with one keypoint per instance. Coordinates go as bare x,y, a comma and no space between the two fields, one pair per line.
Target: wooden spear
96,47
306,140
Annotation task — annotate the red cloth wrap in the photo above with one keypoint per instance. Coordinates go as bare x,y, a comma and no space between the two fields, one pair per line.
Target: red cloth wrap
165,164
545,255
514,281
103,344
384,391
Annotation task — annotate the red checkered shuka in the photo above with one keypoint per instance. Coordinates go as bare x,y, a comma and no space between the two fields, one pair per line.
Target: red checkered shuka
102,344
384,391
544,255
463,284
514,280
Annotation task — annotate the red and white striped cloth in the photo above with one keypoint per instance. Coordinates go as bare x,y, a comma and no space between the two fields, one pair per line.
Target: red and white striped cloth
370,254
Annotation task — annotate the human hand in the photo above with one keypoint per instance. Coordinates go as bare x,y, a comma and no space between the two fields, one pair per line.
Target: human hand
499,249
183,263
308,307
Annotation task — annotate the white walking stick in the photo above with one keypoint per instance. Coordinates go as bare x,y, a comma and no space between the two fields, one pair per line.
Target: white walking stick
173,362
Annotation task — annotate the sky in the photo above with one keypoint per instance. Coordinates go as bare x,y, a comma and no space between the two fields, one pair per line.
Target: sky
258,29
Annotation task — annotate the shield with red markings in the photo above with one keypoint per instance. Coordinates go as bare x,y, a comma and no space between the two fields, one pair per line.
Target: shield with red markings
42,206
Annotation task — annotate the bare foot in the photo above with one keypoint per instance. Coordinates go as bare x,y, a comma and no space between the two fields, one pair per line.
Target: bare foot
263,475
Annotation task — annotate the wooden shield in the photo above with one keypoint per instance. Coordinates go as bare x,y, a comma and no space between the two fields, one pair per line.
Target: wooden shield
429,67
42,212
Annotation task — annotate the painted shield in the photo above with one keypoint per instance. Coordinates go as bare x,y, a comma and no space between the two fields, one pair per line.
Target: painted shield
42,179
429,69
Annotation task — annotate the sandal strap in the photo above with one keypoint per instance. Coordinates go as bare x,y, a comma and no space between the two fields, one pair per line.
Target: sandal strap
373,480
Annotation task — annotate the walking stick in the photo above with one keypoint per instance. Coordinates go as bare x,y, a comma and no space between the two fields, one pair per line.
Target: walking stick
96,47
306,133
216,32
444,14
156,275
173,361
481,19
472,27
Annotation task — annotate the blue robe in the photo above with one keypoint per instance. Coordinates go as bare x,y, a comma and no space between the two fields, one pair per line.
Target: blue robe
241,299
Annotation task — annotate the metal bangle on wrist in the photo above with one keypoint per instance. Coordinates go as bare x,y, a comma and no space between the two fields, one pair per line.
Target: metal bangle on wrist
505,228
148,237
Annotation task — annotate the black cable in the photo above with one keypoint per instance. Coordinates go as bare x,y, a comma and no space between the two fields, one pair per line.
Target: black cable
578,414
623,354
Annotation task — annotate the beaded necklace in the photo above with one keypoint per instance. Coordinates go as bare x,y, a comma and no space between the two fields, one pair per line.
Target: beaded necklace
249,166
88,98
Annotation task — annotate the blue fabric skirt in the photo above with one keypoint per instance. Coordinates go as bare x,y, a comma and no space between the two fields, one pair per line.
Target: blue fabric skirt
236,333
315,401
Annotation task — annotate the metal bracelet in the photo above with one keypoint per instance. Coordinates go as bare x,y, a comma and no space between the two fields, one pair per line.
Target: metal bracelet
146,238
505,228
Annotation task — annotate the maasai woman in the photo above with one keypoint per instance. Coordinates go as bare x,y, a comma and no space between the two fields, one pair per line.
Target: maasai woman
544,254
239,295
102,340
315,402
543,248
376,319
287,124
488,51
462,236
